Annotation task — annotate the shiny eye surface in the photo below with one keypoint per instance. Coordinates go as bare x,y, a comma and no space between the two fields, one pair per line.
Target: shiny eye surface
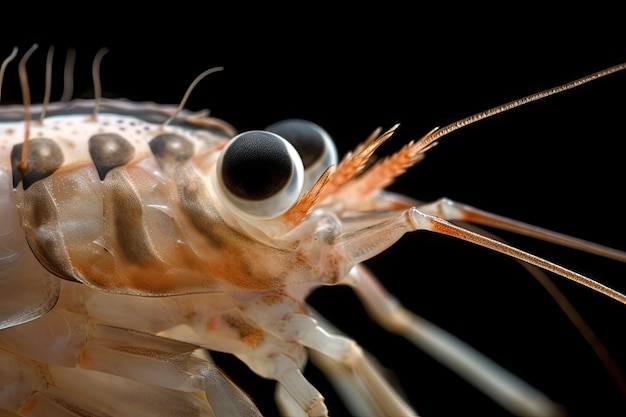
260,173
314,144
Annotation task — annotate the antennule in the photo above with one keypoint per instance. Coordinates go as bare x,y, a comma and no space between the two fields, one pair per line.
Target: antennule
48,87
26,101
188,93
4,66
68,75
97,86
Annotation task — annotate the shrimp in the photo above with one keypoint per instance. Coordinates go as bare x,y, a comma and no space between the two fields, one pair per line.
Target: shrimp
213,268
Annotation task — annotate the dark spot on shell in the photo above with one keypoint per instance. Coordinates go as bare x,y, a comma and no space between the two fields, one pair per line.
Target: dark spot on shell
170,148
44,158
108,151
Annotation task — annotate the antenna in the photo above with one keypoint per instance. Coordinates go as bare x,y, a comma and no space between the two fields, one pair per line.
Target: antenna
188,93
48,87
4,66
23,165
97,86
68,75
427,140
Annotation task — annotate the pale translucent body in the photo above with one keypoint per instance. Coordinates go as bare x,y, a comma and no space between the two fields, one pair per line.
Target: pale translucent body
91,334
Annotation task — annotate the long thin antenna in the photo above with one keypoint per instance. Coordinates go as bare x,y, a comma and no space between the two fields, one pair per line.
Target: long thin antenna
3,67
188,92
26,101
48,87
430,138
68,75
97,86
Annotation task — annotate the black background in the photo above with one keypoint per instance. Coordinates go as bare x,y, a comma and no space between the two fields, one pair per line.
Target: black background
556,163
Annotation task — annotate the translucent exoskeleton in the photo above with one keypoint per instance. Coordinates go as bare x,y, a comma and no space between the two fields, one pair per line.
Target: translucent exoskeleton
175,234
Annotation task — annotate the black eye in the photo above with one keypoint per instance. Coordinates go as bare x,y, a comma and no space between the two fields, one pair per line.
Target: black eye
314,144
260,173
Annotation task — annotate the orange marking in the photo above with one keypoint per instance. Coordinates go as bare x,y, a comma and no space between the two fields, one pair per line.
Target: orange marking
212,324
249,334
301,208
355,162
29,405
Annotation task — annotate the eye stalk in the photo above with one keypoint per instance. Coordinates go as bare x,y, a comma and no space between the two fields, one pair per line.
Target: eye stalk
260,173
314,144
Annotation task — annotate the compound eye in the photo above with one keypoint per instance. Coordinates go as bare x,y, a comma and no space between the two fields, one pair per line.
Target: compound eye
314,144
260,173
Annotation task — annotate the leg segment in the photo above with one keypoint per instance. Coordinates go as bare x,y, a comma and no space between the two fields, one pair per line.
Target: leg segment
503,387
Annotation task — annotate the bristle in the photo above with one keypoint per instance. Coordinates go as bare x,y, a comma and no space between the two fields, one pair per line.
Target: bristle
384,172
355,162
302,207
